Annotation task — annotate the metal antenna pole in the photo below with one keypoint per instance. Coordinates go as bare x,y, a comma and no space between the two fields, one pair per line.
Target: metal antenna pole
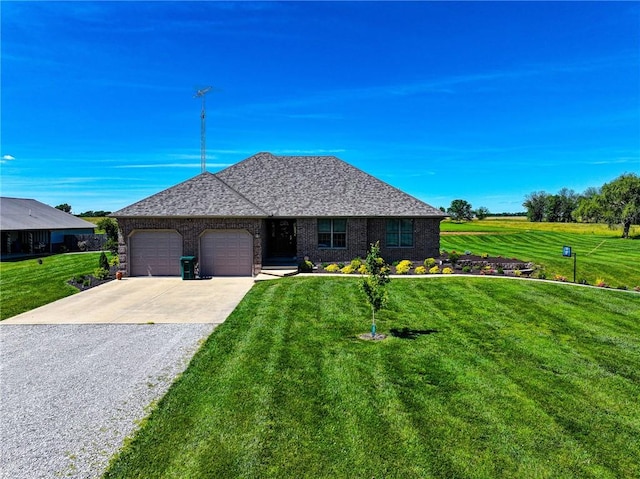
203,130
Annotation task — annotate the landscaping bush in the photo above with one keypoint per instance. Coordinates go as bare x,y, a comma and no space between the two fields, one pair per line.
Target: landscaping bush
454,257
363,269
447,271
332,268
356,263
434,270
420,270
517,273
103,262
348,269
429,263
305,266
484,255
101,273
466,269
404,266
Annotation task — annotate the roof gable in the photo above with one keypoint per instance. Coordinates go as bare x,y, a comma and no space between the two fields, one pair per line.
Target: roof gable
318,186
202,195
282,186
18,214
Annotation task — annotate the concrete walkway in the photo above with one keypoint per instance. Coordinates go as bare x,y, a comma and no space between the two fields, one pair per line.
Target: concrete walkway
144,300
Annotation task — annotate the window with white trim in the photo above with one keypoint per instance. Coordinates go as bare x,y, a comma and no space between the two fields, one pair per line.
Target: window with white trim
332,233
399,233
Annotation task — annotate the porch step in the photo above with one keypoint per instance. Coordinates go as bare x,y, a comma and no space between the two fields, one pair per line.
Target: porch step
278,271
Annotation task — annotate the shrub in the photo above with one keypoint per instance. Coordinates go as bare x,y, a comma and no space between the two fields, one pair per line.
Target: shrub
484,255
78,278
429,263
454,257
103,261
348,269
305,266
500,271
332,268
340,265
114,261
466,269
559,277
82,245
404,266
600,283
447,271
363,269
324,265
434,270
111,245
101,273
517,273
356,263
420,270
468,253
541,274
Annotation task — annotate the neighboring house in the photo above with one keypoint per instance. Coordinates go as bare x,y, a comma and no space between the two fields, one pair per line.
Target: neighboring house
274,210
31,227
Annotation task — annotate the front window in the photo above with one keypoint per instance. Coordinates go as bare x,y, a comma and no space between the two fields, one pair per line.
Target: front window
399,233
332,233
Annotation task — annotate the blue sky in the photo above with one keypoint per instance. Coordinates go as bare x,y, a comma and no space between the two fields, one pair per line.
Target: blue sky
484,101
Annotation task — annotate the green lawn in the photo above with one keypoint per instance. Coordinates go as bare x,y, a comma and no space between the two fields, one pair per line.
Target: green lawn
599,254
26,284
484,378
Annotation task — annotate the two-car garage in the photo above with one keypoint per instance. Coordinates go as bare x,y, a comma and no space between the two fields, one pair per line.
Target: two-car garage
222,253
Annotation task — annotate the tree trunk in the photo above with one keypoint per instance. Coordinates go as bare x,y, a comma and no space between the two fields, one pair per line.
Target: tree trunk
626,227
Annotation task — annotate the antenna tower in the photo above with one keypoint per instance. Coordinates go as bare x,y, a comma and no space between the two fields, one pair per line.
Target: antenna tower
203,131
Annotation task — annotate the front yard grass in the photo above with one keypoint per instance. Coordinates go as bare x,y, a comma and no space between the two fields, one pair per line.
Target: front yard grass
26,284
478,379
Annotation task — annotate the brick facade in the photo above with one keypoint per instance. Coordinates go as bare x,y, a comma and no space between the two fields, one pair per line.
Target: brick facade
361,232
191,229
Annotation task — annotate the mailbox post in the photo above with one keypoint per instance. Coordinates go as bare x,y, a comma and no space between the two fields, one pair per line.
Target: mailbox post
566,251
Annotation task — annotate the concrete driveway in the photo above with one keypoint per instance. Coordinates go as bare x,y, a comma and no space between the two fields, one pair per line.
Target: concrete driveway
144,300
72,387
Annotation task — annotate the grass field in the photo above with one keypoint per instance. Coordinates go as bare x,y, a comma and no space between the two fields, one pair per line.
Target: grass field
601,253
481,378
26,284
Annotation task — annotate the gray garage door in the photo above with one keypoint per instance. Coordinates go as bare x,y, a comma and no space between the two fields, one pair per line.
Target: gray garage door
155,253
226,253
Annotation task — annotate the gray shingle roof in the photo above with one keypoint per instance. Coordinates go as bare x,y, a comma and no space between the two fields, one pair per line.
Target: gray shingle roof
20,214
286,186
202,195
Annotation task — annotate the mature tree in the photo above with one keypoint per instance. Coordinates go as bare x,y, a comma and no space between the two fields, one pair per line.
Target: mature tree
64,207
374,284
568,202
482,212
460,210
535,204
587,210
619,202
552,206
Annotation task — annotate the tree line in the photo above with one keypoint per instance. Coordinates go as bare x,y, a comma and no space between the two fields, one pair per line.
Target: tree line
614,203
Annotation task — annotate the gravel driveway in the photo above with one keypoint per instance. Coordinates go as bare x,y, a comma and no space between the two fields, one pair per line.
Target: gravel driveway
70,394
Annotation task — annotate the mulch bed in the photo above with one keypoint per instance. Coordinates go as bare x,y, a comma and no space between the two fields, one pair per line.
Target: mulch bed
477,264
88,282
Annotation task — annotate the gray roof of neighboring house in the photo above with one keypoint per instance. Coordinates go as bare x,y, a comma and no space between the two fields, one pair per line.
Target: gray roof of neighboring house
19,214
283,186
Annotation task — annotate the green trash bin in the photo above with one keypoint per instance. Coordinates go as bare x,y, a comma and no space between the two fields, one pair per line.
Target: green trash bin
188,267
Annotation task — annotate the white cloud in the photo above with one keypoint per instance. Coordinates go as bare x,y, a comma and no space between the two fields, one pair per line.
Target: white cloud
8,158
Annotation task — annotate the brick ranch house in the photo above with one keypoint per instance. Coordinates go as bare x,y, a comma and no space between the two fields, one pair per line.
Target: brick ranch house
271,209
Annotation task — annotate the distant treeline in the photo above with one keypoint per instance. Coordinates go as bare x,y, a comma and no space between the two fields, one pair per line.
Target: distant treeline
94,214
616,202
